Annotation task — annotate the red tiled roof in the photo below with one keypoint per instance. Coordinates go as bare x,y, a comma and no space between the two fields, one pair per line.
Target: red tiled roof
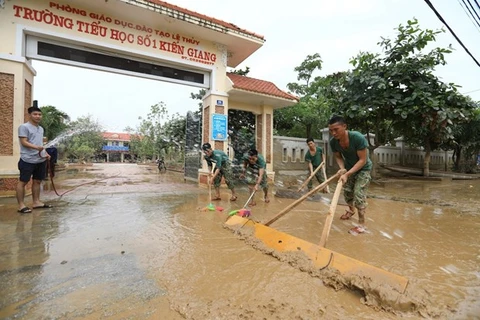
207,18
258,86
116,136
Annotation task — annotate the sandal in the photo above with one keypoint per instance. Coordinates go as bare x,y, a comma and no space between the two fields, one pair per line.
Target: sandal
252,203
347,215
233,198
267,200
357,230
24,210
44,206
216,198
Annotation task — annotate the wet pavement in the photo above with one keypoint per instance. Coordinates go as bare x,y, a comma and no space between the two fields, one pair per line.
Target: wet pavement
125,242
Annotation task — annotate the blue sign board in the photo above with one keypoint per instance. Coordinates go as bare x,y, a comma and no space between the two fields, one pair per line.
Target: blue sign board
115,148
219,127
219,102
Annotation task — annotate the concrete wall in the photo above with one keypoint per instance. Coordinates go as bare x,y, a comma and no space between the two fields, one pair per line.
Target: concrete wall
289,156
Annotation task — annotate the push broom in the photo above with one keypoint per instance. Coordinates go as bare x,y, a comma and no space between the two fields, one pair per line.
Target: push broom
354,273
211,206
244,212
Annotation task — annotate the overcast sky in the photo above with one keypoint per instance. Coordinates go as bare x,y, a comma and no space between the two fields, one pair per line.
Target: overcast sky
337,30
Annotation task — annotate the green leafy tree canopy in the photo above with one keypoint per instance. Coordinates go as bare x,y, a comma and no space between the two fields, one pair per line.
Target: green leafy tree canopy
54,121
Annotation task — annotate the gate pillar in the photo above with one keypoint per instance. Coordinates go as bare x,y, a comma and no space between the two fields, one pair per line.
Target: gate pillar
213,104
16,84
264,137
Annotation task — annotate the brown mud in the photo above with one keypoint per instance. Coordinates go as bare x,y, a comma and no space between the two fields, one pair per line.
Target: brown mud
373,294
125,242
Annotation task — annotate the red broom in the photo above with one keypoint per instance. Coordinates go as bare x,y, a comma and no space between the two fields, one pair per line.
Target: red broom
244,212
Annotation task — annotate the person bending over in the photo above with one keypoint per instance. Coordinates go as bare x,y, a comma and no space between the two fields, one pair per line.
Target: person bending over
255,172
314,157
223,168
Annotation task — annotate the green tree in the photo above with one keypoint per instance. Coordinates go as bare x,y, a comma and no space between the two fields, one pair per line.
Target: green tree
174,131
142,143
241,129
129,129
398,93
87,141
466,142
310,114
54,121
363,97
199,96
242,72
241,126
428,108
150,141
84,152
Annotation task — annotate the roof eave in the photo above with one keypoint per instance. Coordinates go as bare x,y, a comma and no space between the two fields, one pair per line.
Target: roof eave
240,43
276,101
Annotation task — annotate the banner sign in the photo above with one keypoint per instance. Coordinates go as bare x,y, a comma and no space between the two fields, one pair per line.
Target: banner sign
219,127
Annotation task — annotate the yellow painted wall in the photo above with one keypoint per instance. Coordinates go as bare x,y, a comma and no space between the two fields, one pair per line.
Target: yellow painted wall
249,107
113,25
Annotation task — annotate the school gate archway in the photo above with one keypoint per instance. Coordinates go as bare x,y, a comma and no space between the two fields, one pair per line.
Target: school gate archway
150,39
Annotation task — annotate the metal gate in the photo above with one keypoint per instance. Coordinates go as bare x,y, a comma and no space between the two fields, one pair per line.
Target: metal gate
193,139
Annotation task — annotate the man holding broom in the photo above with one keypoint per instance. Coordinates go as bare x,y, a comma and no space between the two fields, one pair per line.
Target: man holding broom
351,153
255,172
222,169
314,157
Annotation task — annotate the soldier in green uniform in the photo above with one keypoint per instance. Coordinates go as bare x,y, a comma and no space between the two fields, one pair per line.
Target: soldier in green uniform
223,169
314,157
351,153
255,172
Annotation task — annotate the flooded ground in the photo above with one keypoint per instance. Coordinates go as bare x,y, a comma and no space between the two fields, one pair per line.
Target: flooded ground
124,242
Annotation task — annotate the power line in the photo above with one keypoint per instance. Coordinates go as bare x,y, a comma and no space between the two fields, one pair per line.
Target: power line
451,31
471,91
478,5
472,19
473,9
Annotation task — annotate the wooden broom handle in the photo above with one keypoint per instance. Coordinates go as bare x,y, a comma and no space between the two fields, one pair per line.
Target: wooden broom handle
331,213
325,177
300,200
311,176
209,185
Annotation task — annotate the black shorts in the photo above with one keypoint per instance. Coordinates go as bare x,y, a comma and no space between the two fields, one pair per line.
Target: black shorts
36,170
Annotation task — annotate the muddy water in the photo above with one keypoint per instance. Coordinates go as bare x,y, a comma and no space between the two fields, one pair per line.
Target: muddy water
125,242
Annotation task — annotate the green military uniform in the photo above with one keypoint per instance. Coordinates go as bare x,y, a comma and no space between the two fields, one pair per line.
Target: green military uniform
252,171
355,190
316,160
222,162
